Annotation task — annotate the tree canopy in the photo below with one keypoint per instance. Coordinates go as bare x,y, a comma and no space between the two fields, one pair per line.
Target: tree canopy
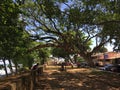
14,40
73,24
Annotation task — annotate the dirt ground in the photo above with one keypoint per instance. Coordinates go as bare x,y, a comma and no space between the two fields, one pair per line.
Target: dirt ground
78,79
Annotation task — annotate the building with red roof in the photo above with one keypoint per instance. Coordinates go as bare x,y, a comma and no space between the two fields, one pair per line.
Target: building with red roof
107,57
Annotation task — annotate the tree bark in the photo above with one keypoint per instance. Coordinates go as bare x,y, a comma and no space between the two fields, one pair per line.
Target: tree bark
16,67
11,69
88,59
5,67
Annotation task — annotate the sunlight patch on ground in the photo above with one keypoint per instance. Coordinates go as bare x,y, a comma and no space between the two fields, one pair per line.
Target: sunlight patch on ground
80,84
82,70
78,78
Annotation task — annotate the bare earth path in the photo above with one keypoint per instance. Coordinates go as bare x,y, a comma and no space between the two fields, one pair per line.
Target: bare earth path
78,79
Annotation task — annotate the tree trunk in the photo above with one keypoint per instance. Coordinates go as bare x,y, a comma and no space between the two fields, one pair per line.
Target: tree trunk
42,61
90,61
75,58
16,67
70,59
11,69
30,63
5,67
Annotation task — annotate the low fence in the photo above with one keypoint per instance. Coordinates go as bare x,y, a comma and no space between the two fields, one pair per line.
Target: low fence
24,81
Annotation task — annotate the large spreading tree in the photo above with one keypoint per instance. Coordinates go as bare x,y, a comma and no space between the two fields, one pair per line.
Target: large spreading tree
74,24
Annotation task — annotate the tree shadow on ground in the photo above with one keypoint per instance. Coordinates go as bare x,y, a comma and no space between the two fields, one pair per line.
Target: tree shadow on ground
79,81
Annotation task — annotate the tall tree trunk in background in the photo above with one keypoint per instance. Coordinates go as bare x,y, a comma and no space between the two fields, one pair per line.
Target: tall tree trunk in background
88,59
5,67
30,63
11,69
90,62
75,58
42,61
96,39
16,66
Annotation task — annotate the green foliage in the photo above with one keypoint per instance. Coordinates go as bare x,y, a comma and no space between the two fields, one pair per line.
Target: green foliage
14,40
26,60
74,25
8,13
50,9
43,54
60,52
80,59
10,34
102,50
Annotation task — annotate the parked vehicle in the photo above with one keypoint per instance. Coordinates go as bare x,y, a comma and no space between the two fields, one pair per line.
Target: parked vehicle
111,67
115,68
107,67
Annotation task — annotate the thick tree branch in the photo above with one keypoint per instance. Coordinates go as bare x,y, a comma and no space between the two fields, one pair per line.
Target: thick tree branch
44,38
43,46
101,23
111,21
95,49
